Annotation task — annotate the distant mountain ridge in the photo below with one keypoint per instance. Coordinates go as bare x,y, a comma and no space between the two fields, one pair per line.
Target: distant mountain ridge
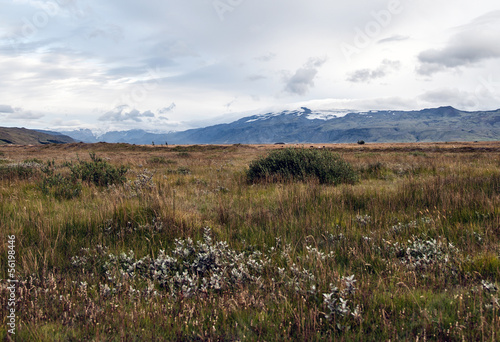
327,126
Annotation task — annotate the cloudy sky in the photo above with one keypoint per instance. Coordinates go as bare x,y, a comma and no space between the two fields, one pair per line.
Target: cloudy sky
169,65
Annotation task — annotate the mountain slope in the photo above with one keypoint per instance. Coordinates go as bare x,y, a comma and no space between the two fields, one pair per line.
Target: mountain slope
303,126
329,126
23,136
84,135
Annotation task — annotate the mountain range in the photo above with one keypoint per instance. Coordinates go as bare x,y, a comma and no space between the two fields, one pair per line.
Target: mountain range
325,126
303,125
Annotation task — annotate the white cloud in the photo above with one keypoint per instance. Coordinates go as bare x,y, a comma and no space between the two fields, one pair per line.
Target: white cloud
6,109
168,109
79,61
303,79
366,75
125,113
393,38
474,43
447,96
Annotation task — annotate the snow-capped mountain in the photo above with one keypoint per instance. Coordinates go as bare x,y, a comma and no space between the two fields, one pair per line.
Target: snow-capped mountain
304,125
306,112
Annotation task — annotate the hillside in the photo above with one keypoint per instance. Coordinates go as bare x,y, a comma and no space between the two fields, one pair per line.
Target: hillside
307,126
23,136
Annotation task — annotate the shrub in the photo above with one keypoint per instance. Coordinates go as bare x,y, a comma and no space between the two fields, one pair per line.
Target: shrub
99,172
61,187
192,267
160,160
23,170
420,254
302,164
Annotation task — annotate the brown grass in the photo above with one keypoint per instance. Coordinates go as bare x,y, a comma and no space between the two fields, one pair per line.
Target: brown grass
308,234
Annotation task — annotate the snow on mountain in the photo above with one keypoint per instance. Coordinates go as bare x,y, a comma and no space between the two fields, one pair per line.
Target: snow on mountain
328,114
323,125
306,112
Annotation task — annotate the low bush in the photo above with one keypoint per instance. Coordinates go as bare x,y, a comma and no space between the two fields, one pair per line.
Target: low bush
23,170
99,172
160,160
60,186
302,164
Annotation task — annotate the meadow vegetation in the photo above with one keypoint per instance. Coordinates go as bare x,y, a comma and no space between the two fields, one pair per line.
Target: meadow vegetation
116,242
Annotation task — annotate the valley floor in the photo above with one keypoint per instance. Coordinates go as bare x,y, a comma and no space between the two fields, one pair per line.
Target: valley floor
172,243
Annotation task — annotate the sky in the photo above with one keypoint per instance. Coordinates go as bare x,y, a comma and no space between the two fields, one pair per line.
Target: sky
166,65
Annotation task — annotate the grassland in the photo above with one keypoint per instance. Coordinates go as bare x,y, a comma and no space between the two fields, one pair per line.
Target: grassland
186,249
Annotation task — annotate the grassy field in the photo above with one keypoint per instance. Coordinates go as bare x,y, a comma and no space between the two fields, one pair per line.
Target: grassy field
182,247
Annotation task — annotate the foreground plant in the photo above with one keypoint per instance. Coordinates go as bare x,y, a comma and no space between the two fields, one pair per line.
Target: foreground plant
302,164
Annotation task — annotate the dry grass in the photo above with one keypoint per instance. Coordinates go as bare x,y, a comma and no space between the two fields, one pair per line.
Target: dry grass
420,234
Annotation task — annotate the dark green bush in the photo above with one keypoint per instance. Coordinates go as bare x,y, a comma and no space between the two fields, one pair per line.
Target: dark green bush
302,164
99,172
61,187
68,184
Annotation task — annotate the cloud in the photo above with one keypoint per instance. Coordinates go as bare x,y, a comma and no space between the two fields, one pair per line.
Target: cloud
448,96
483,97
25,115
394,38
303,79
229,104
125,113
19,113
256,77
366,75
168,109
113,32
6,109
148,114
266,58
456,55
472,44
93,54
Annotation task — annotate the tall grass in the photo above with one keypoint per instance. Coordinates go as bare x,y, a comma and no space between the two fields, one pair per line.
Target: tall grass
409,251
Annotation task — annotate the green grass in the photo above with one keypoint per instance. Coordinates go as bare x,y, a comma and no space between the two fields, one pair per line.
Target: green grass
419,233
